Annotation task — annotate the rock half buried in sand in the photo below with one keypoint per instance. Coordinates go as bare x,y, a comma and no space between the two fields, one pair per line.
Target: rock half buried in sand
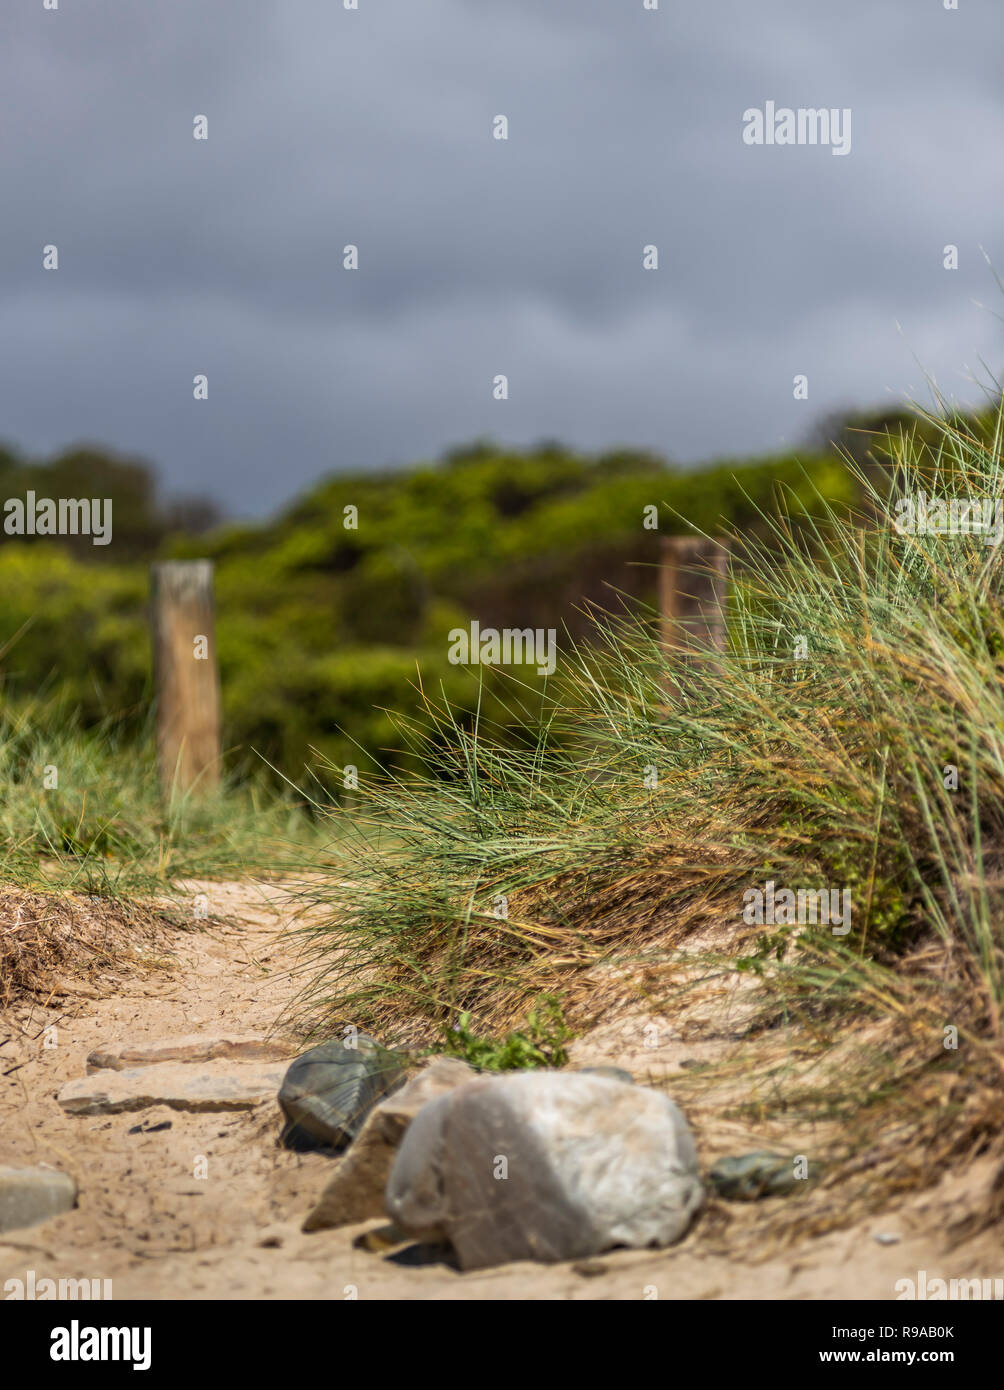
355,1191
31,1195
327,1093
192,1047
753,1175
545,1166
611,1073
180,1085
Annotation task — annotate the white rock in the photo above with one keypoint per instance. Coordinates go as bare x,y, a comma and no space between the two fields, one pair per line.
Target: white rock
545,1166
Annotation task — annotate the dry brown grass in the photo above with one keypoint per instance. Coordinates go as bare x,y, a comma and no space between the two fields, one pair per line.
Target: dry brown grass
54,944
863,1085
561,938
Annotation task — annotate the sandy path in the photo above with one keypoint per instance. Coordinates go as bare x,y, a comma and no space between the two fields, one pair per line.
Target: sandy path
156,1231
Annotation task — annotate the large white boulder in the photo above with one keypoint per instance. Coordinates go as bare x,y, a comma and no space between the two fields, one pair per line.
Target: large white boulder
545,1166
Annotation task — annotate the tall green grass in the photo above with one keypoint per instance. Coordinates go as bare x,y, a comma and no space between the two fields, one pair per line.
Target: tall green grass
652,792
82,810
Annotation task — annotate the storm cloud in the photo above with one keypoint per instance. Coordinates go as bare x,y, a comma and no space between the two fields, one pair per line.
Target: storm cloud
480,256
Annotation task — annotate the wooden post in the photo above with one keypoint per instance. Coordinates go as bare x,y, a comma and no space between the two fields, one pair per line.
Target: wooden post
693,582
186,676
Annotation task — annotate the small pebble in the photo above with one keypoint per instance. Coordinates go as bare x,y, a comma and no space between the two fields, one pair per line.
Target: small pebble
886,1238
380,1239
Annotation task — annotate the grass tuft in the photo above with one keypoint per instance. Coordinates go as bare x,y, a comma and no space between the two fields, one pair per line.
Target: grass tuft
850,738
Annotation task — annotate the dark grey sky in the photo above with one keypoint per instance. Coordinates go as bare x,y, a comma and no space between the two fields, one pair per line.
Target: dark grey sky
478,257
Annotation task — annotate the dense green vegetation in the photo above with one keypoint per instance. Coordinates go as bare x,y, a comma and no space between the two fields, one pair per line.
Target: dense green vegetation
330,618
81,810
335,615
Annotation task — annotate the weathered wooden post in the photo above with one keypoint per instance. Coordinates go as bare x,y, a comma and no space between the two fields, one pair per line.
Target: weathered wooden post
186,676
693,587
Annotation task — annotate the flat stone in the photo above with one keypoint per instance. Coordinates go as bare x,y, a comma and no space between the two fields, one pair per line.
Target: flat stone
31,1195
191,1047
545,1166
356,1189
182,1086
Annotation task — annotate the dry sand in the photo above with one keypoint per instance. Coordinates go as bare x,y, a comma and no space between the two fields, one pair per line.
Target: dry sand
147,1223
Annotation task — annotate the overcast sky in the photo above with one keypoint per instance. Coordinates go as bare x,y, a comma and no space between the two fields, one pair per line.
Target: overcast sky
480,256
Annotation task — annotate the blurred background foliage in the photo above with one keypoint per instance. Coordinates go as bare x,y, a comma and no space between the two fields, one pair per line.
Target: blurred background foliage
324,629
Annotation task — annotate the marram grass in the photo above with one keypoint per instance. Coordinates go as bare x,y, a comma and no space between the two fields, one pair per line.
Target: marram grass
850,737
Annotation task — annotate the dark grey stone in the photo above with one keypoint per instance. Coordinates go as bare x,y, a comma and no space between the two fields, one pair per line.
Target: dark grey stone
746,1177
328,1092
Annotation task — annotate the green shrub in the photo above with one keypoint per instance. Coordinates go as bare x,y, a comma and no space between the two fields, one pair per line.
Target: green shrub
540,1044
